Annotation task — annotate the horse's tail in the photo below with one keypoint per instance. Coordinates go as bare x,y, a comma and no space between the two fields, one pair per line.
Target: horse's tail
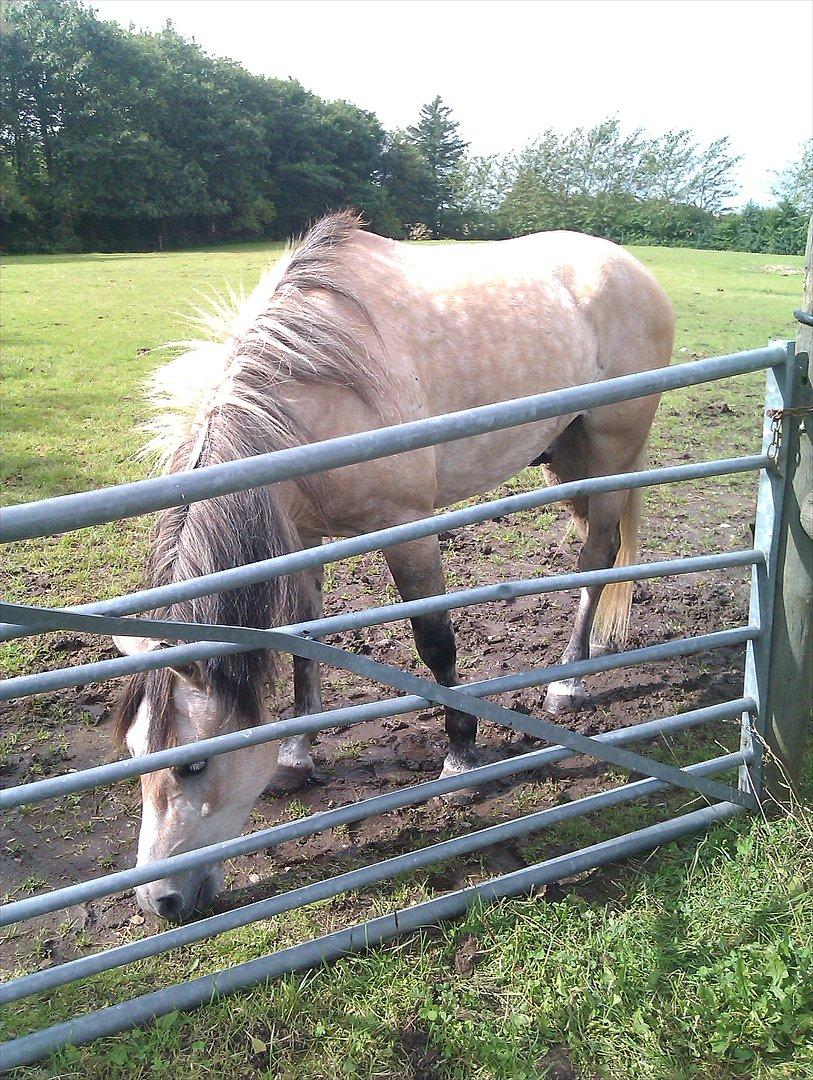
612,619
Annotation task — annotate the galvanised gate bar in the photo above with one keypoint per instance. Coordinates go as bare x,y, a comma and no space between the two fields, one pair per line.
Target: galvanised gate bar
413,693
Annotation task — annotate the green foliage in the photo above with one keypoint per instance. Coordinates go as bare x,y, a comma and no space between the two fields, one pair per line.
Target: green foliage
778,229
112,139
405,177
794,184
479,189
641,190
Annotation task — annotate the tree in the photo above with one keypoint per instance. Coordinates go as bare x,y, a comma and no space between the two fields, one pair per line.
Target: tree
405,179
355,141
437,137
667,165
112,139
584,180
712,184
480,185
116,139
794,184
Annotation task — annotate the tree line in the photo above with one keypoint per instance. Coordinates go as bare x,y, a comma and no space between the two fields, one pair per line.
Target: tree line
111,139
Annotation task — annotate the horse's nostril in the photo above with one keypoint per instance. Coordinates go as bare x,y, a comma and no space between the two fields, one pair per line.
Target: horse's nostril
168,906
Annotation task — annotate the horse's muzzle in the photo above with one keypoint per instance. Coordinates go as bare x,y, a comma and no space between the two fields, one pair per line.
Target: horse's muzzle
178,898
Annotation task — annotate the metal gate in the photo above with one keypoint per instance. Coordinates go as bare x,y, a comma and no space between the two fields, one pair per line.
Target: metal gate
69,512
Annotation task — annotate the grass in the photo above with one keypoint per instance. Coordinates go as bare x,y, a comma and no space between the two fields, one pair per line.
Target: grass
699,965
78,340
79,334
696,963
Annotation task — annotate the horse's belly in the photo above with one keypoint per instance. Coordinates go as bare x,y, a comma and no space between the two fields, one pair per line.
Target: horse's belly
480,464
523,357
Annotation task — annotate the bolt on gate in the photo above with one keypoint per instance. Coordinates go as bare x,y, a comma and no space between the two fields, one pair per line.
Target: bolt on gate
114,616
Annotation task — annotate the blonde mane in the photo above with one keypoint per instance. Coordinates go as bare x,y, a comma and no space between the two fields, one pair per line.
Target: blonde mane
250,347
223,398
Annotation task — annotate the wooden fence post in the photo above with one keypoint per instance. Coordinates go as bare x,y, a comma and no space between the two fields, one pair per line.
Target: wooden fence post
790,681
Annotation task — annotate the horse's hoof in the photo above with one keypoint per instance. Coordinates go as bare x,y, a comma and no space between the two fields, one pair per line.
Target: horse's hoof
464,796
287,780
602,648
562,698
460,799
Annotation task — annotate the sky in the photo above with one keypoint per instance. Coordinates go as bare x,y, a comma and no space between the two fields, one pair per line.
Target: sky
512,68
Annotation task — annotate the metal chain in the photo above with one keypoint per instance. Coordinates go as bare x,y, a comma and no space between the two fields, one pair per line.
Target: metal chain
776,417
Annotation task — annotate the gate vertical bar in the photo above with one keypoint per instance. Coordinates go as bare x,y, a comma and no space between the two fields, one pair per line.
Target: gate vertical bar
790,680
780,390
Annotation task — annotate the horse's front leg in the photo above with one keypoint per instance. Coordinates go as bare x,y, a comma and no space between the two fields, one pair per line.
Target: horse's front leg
417,571
294,762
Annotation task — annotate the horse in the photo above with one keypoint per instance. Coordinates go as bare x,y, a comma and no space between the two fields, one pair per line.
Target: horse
351,331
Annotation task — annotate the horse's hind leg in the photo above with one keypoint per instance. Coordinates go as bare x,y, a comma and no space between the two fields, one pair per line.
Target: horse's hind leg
608,441
598,553
417,571
294,763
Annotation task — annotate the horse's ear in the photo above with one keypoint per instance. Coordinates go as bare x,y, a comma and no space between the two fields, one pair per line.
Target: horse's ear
128,646
192,674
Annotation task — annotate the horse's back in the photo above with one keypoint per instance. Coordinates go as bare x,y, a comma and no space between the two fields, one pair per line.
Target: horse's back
585,262
466,324
537,290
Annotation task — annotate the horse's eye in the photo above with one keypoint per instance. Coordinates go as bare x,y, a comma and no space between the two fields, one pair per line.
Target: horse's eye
192,768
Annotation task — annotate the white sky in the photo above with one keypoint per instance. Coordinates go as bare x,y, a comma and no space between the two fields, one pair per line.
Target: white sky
510,68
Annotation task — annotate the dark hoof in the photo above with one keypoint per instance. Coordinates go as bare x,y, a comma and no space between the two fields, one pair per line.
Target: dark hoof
286,780
461,799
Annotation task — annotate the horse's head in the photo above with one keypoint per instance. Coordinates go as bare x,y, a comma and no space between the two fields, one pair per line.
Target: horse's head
196,804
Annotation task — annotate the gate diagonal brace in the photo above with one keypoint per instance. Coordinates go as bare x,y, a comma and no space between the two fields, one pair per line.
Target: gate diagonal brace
302,645
543,729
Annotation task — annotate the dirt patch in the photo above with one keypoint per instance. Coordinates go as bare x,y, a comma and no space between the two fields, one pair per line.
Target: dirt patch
782,270
424,1062
466,956
557,1065
86,835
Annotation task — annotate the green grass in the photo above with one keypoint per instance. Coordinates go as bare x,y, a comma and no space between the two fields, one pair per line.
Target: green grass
78,340
78,334
700,965
696,964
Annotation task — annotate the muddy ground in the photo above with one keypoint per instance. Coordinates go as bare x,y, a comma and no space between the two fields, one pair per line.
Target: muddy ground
93,833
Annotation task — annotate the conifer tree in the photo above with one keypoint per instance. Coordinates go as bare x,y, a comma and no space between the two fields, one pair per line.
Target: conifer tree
437,137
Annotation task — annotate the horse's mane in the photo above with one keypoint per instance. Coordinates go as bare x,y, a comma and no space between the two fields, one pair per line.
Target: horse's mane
252,347
221,399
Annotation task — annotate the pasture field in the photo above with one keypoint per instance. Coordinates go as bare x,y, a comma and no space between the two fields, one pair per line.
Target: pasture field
694,962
